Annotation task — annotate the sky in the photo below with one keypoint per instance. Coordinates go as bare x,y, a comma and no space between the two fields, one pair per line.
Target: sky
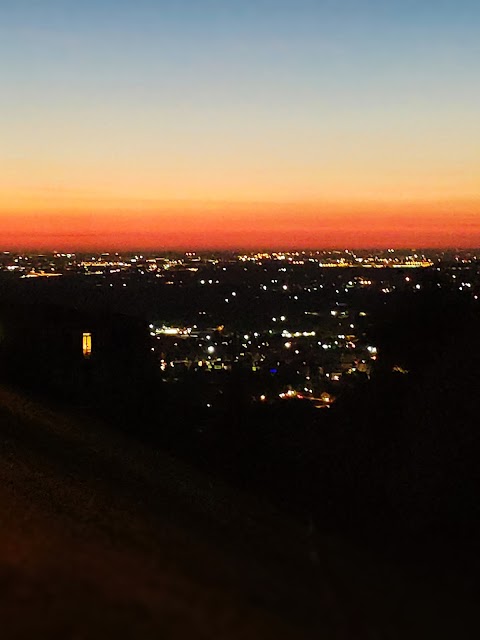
239,123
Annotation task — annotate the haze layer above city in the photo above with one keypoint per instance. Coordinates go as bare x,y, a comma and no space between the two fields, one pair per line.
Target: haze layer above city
256,125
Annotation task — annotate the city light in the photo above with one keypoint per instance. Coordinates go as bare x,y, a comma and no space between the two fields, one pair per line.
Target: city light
321,339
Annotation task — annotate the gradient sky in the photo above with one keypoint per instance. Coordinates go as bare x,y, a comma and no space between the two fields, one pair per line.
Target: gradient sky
241,123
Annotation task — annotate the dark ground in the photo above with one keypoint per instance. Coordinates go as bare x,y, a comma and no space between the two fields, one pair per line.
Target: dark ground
104,538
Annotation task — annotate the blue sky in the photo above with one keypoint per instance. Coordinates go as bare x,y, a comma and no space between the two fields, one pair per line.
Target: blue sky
269,47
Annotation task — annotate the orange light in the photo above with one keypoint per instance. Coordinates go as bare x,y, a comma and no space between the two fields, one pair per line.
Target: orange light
87,345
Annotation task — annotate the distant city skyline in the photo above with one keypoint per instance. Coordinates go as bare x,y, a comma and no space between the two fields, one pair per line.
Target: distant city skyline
225,124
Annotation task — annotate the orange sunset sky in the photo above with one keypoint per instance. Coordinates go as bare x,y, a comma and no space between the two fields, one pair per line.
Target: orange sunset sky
239,125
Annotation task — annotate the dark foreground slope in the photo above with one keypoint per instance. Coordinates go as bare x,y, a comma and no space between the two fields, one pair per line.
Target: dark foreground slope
102,538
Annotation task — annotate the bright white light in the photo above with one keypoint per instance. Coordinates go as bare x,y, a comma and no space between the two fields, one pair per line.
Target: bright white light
211,349
282,318
170,331
288,345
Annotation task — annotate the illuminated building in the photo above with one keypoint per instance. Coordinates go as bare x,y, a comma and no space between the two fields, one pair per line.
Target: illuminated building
87,345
